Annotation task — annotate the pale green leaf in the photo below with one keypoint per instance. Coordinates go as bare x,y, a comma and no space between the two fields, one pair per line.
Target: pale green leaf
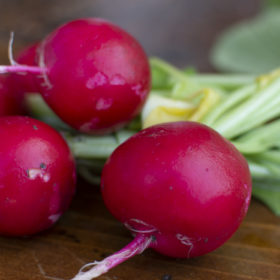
251,46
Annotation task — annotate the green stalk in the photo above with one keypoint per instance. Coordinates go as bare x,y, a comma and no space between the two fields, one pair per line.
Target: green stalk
229,102
257,170
98,147
231,124
272,155
168,69
227,81
264,115
260,139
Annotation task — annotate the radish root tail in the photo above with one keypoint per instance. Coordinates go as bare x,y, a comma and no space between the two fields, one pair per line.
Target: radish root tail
137,246
10,49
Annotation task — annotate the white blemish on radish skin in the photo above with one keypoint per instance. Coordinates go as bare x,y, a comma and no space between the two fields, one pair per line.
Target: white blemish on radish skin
54,217
117,80
87,127
104,104
97,80
34,173
187,241
247,199
138,89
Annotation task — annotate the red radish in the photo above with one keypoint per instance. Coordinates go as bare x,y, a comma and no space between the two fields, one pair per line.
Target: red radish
37,176
23,83
26,83
94,75
9,103
180,188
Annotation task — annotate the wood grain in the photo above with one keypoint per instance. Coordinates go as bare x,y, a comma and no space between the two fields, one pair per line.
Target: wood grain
181,32
87,232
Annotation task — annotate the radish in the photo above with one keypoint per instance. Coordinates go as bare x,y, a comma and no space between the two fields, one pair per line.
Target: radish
26,83
180,188
93,74
37,176
9,103
22,83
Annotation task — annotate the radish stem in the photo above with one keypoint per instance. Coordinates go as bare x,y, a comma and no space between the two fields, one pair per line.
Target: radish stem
231,124
135,247
22,68
227,81
87,147
230,101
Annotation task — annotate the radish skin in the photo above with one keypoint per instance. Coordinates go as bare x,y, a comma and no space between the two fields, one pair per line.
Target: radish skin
37,176
22,83
9,102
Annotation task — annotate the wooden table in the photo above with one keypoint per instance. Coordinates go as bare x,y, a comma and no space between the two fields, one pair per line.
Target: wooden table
182,32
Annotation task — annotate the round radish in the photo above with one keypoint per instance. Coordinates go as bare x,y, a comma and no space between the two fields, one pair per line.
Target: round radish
93,74
37,176
180,188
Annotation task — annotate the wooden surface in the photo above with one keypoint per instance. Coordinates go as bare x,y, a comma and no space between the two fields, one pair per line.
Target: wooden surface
182,32
87,232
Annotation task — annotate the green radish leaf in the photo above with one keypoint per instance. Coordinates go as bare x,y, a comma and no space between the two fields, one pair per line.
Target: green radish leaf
271,3
252,46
